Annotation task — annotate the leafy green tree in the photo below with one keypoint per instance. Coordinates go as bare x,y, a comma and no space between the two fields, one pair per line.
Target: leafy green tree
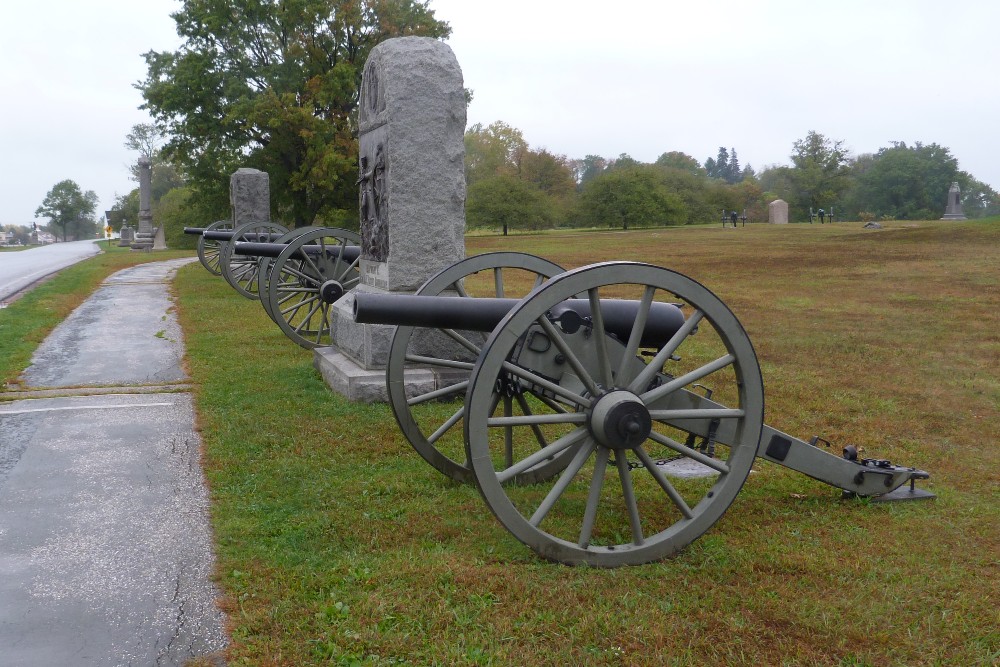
695,191
624,161
551,173
630,197
820,173
70,209
494,150
682,161
174,212
589,167
978,199
273,84
126,208
907,182
507,202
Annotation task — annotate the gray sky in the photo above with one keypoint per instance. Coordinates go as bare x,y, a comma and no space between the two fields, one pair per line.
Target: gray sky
576,77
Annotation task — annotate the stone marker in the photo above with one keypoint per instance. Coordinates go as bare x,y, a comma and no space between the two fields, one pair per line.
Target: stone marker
777,212
127,235
250,196
953,211
411,195
144,234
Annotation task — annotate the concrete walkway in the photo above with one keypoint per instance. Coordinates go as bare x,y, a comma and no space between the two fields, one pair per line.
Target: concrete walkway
105,548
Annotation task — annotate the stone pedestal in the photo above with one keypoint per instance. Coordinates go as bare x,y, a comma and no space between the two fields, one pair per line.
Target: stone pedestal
144,234
953,210
412,185
250,196
777,212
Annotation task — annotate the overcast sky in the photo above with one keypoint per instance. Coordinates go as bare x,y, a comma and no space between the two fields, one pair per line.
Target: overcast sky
577,77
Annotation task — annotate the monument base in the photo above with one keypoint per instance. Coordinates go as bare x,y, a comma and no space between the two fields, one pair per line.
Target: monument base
346,377
954,216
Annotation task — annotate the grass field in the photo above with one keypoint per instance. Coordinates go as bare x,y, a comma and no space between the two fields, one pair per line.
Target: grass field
338,545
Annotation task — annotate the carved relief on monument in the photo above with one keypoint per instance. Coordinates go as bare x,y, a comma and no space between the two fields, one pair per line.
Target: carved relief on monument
372,195
372,100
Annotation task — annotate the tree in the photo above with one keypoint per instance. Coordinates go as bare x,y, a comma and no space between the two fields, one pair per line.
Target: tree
589,167
906,182
145,139
733,171
682,161
508,202
551,173
69,208
820,174
719,167
273,85
127,210
631,196
494,150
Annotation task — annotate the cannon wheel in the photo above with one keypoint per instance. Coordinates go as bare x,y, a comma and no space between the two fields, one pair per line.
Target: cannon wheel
209,251
633,513
432,428
264,269
294,285
241,271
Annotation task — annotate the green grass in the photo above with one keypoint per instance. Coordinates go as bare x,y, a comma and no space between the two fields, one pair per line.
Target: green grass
26,322
338,545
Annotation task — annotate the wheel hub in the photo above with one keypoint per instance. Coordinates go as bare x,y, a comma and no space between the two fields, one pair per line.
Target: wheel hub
620,420
331,291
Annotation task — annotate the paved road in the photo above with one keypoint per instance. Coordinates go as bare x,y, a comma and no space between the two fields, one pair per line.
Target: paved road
105,548
20,269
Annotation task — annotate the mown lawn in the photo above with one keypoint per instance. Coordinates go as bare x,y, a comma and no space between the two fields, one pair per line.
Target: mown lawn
338,545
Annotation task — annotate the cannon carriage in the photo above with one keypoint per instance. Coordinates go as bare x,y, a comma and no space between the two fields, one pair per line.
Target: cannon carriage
295,274
608,417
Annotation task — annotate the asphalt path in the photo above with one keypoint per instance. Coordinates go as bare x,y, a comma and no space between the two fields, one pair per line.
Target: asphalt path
105,546
19,269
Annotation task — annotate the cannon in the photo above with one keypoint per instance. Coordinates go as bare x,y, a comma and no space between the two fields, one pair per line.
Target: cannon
311,268
299,277
215,251
208,249
608,417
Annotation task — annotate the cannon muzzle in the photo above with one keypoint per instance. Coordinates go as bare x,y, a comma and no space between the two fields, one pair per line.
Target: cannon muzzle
470,314
196,231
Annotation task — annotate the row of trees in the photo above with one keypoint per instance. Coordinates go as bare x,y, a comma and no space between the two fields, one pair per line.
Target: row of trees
512,185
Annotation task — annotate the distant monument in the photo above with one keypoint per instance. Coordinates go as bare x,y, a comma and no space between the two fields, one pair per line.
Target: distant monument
777,212
144,233
250,196
411,193
953,211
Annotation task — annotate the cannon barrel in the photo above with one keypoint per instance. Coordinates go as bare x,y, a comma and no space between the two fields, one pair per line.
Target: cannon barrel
347,253
438,312
197,231
228,236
